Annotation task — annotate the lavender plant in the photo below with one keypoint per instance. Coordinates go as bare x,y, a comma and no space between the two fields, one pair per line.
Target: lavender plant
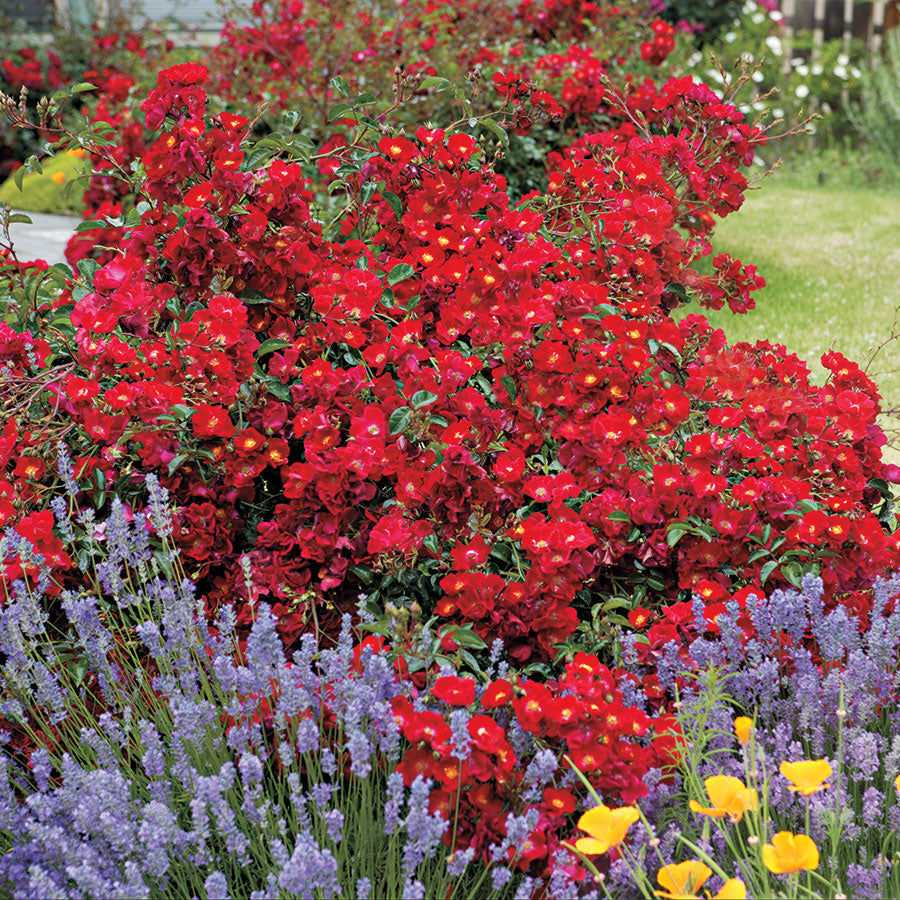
169,760
820,685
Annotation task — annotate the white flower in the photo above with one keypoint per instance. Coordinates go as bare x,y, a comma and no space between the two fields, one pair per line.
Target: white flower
778,113
757,18
776,15
774,44
817,69
714,75
843,59
803,70
801,91
759,107
826,108
840,71
758,76
730,37
758,161
855,72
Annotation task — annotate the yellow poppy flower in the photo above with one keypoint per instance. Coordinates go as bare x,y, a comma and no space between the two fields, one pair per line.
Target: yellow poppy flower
807,776
733,889
790,853
682,881
742,726
897,783
606,827
58,177
729,796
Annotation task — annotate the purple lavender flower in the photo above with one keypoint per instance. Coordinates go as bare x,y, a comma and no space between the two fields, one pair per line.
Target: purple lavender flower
873,807
216,886
459,861
66,470
334,822
310,868
866,881
394,803
413,889
459,728
424,829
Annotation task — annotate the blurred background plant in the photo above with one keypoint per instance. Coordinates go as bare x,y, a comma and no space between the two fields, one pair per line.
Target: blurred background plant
876,115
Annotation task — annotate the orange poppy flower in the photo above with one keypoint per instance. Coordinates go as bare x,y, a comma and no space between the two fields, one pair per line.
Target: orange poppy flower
606,827
807,776
682,881
729,796
742,727
790,853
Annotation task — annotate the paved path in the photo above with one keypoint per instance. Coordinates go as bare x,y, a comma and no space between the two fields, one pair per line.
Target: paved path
45,239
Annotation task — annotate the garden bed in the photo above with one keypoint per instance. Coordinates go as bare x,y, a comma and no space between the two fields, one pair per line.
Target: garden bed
382,515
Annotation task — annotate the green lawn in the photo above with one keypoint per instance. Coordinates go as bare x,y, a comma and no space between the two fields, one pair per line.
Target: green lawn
831,260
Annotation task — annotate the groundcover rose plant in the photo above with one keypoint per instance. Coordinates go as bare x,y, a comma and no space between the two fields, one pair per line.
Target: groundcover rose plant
366,372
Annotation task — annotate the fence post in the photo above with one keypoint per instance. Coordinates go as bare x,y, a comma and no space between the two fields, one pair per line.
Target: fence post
848,25
789,11
877,29
818,27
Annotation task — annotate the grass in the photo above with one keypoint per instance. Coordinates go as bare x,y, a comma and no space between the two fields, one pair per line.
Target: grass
42,193
831,261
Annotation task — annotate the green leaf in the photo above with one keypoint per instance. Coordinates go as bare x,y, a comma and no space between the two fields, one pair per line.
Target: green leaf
678,290
399,273
393,201
793,573
675,533
19,177
270,346
500,133
369,189
20,217
362,573
177,461
340,112
654,582
90,225
87,267
509,383
503,552
83,87
432,544
400,419
433,81
338,84
619,515
422,398
767,570
467,638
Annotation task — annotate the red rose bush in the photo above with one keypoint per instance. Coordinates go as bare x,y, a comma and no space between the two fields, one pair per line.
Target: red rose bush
366,382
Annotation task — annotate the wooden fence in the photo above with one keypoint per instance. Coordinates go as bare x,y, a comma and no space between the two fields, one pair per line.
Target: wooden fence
847,19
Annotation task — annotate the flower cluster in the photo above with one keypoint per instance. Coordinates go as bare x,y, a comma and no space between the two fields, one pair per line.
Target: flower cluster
491,393
820,681
494,748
